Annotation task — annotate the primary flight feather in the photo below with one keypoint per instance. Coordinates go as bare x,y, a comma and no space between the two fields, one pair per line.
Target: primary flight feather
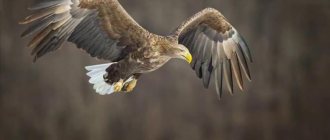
105,30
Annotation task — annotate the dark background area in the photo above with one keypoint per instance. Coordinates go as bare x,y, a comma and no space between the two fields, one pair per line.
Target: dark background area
288,98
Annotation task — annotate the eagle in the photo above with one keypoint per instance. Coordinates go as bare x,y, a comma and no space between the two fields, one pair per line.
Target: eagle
103,29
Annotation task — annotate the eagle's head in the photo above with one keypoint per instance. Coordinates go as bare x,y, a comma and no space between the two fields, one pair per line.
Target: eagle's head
180,51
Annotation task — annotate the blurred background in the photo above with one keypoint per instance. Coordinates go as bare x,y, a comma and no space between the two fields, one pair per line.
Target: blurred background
288,98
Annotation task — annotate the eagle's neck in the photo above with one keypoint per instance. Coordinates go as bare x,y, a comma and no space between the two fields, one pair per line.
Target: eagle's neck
165,45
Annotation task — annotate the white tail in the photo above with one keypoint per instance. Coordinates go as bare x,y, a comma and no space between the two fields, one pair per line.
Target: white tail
96,73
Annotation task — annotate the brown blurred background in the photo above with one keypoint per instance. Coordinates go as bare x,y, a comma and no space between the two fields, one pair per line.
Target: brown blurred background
288,99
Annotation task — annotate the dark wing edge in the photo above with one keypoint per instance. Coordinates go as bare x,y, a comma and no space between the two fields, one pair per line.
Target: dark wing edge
55,21
217,49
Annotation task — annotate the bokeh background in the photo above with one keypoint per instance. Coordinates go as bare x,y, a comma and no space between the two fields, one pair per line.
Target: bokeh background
288,99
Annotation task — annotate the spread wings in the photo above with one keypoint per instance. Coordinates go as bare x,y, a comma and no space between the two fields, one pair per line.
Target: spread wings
88,24
217,48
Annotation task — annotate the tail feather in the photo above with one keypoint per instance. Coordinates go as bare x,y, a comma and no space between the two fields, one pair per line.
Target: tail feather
103,88
91,73
96,73
97,78
98,67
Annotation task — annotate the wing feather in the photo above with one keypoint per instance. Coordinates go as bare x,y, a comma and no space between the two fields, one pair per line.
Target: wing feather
237,71
217,48
218,79
46,4
228,75
88,24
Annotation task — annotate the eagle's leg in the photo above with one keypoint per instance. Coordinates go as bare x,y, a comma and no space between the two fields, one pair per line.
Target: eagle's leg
115,76
118,76
129,86
118,85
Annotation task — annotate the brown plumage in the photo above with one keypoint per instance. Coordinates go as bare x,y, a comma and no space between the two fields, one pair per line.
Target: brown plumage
105,30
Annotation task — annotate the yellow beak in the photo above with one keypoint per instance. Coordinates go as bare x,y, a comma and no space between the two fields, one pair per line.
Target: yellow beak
188,57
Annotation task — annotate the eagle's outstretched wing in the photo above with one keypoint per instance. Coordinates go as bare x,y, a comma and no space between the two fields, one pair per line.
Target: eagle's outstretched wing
216,48
88,24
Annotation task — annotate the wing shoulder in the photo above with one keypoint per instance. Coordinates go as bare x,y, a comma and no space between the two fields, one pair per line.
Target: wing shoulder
208,16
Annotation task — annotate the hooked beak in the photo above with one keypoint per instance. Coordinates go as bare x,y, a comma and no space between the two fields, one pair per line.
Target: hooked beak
188,57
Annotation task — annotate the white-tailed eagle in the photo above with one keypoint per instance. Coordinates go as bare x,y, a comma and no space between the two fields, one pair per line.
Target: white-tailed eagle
105,30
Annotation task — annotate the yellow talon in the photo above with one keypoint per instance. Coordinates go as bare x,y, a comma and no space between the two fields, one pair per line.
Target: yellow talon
128,87
118,86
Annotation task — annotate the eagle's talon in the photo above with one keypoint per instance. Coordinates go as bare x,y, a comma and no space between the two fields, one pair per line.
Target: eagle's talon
118,86
128,87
